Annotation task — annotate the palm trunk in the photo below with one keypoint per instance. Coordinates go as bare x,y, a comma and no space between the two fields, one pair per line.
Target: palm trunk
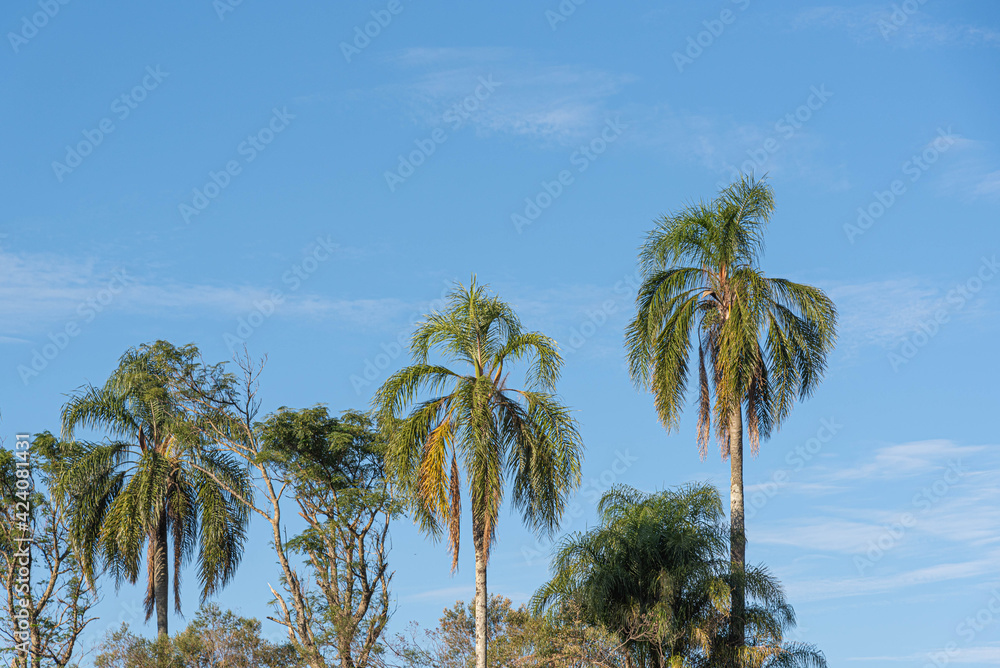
737,536
161,591
482,601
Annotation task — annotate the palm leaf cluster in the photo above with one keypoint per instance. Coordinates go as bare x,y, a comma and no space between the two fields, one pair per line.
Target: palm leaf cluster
524,439
656,573
140,485
761,342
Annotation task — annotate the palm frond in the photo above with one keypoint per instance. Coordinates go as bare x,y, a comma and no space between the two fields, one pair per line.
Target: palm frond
494,437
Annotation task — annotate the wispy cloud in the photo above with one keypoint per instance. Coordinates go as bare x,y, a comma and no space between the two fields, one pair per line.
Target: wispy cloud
811,488
892,25
42,289
893,505
783,145
989,185
972,174
557,105
907,460
881,312
830,535
546,102
831,588
446,594
982,654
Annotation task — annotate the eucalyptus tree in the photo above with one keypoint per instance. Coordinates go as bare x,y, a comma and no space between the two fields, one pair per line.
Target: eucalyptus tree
149,484
336,466
655,573
464,418
761,342
332,469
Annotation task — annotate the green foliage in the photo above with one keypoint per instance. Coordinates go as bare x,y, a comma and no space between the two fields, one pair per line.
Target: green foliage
34,535
762,342
150,479
525,438
334,470
337,469
656,574
650,573
517,639
327,456
214,639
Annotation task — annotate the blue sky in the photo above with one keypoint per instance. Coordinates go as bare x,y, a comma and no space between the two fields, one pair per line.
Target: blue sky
220,173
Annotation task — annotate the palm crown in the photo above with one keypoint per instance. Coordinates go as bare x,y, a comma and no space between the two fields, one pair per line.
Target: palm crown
762,342
141,484
502,435
655,574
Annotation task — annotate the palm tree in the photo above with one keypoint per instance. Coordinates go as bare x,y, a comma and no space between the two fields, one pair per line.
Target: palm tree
762,342
649,573
656,575
141,486
501,435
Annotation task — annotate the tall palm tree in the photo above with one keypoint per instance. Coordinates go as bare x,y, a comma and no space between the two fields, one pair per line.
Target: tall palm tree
140,487
524,438
762,342
656,575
